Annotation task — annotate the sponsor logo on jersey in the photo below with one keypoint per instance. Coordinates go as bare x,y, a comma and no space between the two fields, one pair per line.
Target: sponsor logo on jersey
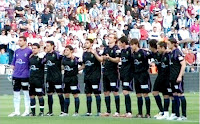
123,59
33,68
136,62
156,61
19,61
88,63
25,54
67,68
163,65
49,63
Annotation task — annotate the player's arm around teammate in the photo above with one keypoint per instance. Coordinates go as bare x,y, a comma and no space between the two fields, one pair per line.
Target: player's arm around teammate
70,80
92,76
177,69
126,74
111,58
54,76
36,79
141,77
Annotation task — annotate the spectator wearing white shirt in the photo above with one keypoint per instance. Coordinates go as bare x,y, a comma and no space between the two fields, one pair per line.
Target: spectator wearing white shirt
154,34
167,21
128,16
164,11
184,33
146,24
94,12
12,46
157,25
135,33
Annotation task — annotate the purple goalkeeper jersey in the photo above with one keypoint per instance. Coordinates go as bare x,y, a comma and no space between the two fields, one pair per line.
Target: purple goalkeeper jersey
21,63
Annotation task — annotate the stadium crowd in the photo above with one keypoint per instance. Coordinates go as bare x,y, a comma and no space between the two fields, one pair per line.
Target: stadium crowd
100,35
70,22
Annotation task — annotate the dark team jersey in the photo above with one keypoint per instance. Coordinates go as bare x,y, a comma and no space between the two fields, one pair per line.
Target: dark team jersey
126,67
164,65
53,61
36,67
140,60
157,59
70,66
92,65
176,57
111,67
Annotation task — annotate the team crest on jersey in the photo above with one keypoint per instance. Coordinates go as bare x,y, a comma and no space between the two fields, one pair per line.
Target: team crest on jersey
127,52
53,55
72,61
92,55
111,51
165,59
38,59
139,55
25,54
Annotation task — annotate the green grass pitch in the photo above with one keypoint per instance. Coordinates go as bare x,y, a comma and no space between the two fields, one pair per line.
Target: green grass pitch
6,107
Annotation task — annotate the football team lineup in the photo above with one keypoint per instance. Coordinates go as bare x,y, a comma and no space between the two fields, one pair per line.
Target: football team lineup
30,76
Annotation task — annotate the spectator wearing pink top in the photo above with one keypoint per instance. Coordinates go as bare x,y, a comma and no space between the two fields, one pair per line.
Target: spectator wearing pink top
195,27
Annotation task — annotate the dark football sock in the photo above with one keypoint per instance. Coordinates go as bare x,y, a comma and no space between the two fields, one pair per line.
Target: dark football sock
50,103
148,105
89,104
98,103
159,102
173,106
66,105
33,105
77,103
183,105
166,104
107,101
177,105
128,103
61,99
117,103
140,104
41,102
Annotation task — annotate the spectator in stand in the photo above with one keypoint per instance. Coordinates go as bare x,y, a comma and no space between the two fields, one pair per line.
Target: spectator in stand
144,37
3,56
135,32
154,34
190,60
46,16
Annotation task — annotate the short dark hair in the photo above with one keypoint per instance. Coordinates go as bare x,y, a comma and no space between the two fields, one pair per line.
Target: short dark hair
24,38
173,40
134,41
90,40
51,42
153,43
162,44
70,47
37,45
123,39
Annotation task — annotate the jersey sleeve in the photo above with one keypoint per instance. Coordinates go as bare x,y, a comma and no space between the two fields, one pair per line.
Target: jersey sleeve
117,52
179,55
